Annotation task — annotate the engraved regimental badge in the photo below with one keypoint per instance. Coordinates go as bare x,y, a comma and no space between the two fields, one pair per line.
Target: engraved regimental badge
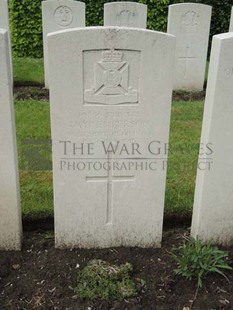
125,18
111,81
63,16
190,19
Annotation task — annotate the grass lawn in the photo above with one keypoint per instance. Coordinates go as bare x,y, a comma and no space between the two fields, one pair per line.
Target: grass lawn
32,122
28,71
185,133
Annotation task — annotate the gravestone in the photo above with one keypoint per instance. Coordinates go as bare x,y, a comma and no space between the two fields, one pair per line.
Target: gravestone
125,14
4,15
190,23
10,216
59,15
213,208
110,91
4,24
231,21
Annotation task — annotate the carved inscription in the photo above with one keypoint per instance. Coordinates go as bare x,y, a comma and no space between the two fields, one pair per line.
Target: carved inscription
63,16
125,18
112,82
118,125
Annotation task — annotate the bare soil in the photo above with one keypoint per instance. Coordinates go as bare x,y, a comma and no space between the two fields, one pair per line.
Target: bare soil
42,277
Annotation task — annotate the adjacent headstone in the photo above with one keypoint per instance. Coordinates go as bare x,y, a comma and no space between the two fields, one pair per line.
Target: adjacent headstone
125,14
213,207
4,24
190,23
231,21
10,216
110,102
59,15
4,15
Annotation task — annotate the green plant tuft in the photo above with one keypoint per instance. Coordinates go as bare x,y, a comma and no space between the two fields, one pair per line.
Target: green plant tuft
196,260
100,280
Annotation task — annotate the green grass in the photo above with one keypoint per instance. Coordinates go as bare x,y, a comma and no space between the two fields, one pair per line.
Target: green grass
185,133
28,71
33,122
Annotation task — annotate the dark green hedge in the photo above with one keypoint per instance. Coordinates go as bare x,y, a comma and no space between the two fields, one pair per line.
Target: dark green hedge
26,24
26,28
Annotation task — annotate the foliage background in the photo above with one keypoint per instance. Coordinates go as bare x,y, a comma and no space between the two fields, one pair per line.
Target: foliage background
26,20
26,28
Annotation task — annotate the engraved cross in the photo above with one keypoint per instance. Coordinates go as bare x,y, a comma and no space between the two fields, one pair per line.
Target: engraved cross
64,14
186,58
110,179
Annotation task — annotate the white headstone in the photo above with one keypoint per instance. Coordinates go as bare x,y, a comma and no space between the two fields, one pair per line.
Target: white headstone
125,14
10,216
190,23
109,85
213,207
231,21
59,15
4,15
4,24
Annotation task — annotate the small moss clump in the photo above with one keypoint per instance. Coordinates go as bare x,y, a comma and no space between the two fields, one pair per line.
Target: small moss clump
100,280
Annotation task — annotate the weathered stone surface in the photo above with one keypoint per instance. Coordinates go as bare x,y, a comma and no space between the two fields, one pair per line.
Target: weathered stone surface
4,24
109,85
125,14
231,21
59,15
213,208
190,23
10,215
4,15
